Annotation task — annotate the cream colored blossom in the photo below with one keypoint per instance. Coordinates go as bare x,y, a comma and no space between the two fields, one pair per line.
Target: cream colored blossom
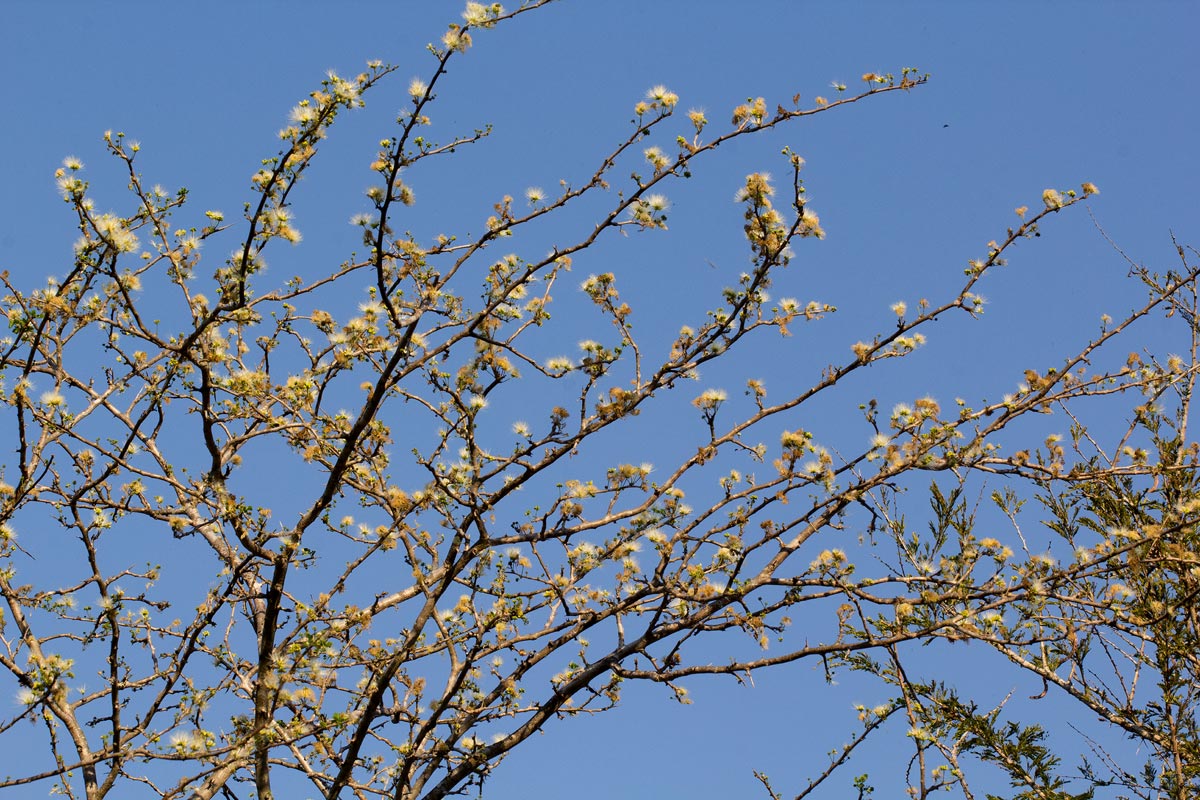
663,96
1052,199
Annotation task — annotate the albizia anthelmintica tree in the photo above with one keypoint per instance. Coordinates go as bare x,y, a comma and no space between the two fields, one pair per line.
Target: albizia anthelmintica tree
443,580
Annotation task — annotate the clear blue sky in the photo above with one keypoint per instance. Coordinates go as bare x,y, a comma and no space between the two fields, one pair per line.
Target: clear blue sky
1023,96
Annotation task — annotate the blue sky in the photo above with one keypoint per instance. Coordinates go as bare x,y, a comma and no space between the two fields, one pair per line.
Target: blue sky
1022,96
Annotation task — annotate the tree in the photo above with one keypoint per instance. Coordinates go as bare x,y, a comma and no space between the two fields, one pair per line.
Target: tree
446,582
